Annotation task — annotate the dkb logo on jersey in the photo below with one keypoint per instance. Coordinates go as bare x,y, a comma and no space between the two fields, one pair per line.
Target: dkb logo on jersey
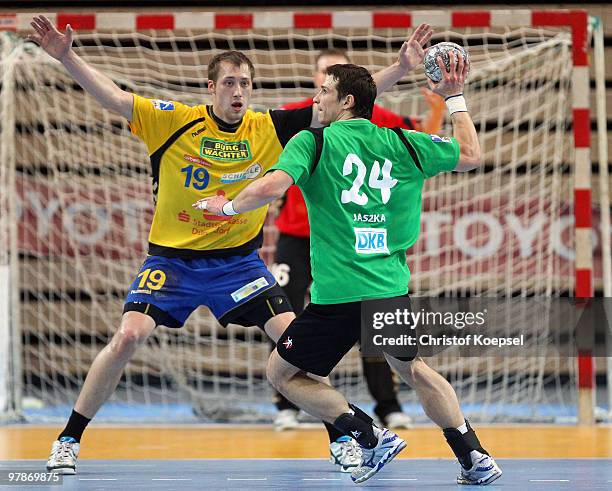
371,241
225,151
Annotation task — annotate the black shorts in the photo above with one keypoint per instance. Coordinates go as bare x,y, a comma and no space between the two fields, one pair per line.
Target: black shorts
254,312
321,335
259,310
292,261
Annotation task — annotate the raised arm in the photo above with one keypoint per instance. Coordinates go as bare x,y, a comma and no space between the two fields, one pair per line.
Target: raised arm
259,193
102,88
451,88
411,54
432,121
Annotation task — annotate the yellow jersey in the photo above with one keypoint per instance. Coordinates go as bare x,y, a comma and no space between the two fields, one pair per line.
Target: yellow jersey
195,154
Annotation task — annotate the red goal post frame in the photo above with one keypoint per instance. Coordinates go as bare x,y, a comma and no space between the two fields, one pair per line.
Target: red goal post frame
577,20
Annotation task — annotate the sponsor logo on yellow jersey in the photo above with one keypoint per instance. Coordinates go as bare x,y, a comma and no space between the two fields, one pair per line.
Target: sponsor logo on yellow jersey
225,151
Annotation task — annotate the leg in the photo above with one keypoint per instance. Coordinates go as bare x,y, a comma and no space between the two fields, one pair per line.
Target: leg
383,388
100,383
440,403
313,396
292,272
435,393
107,368
378,447
286,417
277,326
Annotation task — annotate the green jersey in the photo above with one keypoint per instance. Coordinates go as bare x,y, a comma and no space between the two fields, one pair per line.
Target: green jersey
364,203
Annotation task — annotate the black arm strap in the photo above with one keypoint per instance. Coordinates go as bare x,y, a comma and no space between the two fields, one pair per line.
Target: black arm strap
318,137
398,131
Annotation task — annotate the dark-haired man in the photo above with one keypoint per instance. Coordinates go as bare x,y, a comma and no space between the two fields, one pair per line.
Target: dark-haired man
349,169
194,258
292,258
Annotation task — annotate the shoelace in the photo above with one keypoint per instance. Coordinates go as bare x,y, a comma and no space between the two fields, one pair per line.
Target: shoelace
350,450
65,451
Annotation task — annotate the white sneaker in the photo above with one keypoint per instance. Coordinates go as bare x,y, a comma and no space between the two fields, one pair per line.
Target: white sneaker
484,470
346,453
374,459
64,453
286,419
398,420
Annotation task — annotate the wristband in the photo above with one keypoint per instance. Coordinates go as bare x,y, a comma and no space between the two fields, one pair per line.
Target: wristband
456,104
228,209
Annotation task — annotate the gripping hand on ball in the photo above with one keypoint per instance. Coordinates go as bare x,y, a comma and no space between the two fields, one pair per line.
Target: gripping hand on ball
452,81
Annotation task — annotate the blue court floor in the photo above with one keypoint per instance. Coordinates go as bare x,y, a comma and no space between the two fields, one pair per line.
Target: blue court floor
289,474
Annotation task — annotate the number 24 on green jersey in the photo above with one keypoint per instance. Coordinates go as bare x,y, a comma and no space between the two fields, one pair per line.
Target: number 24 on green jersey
375,181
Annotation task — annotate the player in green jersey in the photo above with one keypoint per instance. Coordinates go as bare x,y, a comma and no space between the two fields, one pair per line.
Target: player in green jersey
362,185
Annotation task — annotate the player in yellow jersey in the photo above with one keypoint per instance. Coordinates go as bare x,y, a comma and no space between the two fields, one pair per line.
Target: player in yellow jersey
194,258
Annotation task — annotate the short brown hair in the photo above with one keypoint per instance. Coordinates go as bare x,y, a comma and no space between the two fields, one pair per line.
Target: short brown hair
355,80
331,52
236,58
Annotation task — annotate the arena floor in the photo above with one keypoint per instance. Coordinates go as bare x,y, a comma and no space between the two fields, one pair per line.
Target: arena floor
525,474
236,457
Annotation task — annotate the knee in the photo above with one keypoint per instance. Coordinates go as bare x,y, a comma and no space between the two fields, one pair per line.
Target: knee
418,372
412,372
134,331
275,375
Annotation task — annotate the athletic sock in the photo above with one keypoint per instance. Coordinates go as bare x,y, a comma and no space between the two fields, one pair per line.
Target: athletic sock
75,427
356,425
333,432
462,441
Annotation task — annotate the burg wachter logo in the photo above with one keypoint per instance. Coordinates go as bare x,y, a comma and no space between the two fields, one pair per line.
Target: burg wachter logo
225,151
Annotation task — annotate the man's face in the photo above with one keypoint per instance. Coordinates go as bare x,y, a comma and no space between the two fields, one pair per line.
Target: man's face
231,93
326,102
323,63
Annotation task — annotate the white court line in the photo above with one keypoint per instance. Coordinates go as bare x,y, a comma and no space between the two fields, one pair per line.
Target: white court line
170,479
549,480
321,479
247,478
397,479
96,479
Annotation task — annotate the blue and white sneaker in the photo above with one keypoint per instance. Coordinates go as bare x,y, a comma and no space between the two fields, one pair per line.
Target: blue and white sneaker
345,453
374,459
484,470
64,453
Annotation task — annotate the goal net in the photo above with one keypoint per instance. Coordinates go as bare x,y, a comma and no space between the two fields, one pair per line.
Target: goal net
81,198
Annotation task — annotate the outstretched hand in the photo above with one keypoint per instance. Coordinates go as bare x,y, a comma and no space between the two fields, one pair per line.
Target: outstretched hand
50,39
452,82
212,204
411,53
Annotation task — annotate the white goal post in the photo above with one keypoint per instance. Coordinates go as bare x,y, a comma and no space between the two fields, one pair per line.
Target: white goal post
76,199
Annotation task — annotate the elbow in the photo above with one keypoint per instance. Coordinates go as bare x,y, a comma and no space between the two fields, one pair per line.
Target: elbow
270,190
470,159
121,103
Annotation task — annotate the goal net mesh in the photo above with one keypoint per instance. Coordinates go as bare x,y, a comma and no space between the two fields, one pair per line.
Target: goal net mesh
81,194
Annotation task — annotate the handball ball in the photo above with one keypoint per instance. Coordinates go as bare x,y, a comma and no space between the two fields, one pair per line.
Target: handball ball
432,70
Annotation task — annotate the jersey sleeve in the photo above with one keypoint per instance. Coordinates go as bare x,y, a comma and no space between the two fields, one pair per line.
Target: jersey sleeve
153,121
298,157
435,153
288,123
